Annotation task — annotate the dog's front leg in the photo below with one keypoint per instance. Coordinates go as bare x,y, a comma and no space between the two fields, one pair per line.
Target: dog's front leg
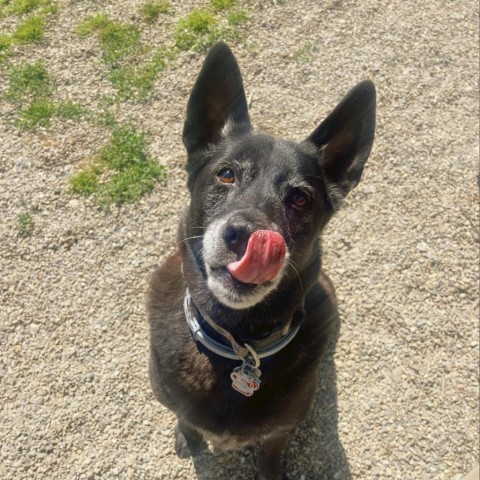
269,465
188,442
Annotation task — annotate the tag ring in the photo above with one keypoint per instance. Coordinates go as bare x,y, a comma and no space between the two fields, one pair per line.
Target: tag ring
254,354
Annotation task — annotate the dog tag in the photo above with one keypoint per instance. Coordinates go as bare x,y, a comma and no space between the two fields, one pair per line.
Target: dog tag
246,378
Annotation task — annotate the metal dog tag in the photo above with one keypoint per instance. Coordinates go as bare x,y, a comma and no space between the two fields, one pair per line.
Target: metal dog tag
246,378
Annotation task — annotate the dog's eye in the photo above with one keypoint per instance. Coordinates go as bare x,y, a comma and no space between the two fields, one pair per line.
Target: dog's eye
226,176
298,198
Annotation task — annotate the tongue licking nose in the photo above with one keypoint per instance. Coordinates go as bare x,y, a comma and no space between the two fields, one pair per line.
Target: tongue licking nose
263,259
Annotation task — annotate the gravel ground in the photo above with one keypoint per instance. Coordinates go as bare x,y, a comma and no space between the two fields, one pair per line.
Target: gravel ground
401,401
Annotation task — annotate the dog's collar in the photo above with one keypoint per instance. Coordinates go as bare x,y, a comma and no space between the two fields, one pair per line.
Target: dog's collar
256,349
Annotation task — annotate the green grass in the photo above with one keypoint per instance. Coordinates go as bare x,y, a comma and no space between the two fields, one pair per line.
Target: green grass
24,6
139,81
92,24
117,40
198,29
37,114
85,182
70,110
152,9
5,44
130,184
21,7
222,4
237,17
30,31
123,171
126,148
29,80
30,84
40,112
25,224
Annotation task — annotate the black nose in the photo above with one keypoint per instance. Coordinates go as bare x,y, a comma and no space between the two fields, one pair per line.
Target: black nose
236,235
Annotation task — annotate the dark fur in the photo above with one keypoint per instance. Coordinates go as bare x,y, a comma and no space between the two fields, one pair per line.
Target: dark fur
195,383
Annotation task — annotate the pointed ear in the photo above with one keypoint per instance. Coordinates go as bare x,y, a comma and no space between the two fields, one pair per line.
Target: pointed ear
217,97
345,138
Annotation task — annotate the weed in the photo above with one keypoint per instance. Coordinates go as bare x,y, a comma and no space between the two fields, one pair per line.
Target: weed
123,171
126,148
29,80
139,81
130,184
25,224
107,119
38,113
237,17
92,24
31,30
5,43
222,4
152,9
26,6
118,40
69,110
197,29
85,182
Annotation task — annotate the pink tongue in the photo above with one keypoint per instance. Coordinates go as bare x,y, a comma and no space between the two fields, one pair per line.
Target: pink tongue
263,259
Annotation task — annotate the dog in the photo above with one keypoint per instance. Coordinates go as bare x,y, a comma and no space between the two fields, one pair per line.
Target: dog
241,313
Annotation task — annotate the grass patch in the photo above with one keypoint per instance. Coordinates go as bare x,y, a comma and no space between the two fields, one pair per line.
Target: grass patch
5,44
197,29
26,6
151,10
37,114
139,81
130,184
69,110
237,17
222,4
30,31
95,23
29,80
123,171
126,148
117,40
85,182
40,112
25,224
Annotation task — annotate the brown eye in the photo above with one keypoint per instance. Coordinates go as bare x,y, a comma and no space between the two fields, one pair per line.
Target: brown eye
226,176
298,199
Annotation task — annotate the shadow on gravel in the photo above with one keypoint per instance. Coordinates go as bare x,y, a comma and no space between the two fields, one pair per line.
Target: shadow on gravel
315,453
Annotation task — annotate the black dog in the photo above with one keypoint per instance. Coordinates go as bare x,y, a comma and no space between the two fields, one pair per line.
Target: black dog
241,313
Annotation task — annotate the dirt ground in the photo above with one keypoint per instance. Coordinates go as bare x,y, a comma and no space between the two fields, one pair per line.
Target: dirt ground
399,398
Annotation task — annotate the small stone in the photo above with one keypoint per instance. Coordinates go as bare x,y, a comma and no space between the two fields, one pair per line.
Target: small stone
422,247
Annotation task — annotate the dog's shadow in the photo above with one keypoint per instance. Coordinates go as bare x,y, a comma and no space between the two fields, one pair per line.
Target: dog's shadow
315,453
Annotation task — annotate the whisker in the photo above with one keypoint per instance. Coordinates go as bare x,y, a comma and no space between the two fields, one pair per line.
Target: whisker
189,238
291,263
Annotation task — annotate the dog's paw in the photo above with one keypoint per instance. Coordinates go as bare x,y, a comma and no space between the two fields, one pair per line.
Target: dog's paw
181,446
188,445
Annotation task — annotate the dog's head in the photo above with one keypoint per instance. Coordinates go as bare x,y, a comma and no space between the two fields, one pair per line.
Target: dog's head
258,203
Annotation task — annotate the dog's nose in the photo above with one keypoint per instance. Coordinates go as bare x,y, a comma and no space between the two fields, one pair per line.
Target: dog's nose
236,235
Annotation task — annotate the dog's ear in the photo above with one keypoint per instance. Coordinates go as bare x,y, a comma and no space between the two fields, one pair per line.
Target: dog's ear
218,97
345,138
